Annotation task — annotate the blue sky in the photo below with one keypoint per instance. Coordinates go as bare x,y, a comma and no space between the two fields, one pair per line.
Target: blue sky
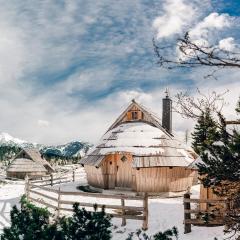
68,68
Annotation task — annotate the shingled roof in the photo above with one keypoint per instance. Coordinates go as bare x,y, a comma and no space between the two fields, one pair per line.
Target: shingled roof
149,143
29,160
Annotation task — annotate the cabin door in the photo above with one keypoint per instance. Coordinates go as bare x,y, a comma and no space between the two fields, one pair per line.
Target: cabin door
124,171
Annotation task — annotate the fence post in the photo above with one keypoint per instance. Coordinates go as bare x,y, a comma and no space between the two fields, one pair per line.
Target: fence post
187,216
58,202
27,187
73,175
51,175
145,212
123,212
227,208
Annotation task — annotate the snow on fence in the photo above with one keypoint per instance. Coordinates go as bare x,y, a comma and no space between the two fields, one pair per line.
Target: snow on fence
198,213
118,206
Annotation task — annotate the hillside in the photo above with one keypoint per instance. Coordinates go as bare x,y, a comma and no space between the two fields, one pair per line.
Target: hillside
10,146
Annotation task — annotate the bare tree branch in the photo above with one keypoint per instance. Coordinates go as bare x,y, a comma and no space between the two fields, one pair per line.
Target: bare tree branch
193,107
194,55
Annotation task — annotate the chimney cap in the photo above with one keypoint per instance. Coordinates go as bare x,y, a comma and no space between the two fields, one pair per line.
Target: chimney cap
167,92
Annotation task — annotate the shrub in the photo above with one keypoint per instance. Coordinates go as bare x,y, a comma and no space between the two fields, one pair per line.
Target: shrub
169,234
33,223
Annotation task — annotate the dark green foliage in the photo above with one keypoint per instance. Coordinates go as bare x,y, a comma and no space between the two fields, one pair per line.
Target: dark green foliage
205,132
169,234
8,152
218,148
28,223
34,223
86,225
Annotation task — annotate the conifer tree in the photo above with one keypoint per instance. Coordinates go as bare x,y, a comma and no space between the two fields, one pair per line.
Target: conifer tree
205,132
219,149
33,223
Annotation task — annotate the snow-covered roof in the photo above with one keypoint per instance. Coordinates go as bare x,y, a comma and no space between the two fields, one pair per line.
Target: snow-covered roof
195,163
149,145
36,156
26,165
32,159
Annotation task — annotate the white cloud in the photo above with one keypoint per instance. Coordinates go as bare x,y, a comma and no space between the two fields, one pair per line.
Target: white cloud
90,79
211,22
177,15
203,34
43,123
41,39
227,44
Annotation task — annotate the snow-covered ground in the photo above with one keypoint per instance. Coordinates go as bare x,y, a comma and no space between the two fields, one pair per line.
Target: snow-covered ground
9,196
163,214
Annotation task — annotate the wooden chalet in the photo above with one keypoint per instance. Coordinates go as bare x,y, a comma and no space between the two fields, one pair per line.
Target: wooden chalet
140,153
28,162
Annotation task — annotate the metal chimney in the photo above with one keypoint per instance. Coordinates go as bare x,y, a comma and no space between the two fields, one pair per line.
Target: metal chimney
167,113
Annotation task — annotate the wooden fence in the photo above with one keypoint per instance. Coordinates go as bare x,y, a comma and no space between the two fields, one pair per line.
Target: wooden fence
53,179
195,215
62,201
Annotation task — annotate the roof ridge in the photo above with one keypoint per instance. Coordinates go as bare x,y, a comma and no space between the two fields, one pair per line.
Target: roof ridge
156,120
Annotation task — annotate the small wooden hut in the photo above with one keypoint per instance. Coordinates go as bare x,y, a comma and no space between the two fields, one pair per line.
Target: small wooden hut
139,153
28,162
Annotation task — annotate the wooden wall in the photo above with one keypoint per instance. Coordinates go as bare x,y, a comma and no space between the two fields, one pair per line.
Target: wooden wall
115,173
164,179
112,173
95,176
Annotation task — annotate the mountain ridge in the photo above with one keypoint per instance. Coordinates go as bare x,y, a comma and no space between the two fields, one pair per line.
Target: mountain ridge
73,149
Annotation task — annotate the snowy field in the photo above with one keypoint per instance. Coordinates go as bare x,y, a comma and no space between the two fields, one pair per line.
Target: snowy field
163,214
9,196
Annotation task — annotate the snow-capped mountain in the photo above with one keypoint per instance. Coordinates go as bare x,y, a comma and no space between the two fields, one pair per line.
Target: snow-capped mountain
72,149
6,138
68,150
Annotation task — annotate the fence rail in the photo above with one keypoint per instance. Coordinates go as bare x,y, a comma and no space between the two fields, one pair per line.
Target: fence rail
52,179
196,212
62,201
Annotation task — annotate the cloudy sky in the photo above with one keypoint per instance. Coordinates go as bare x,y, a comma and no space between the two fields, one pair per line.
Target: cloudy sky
68,68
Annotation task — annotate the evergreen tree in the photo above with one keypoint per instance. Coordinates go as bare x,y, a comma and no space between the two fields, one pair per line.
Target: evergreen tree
87,225
219,148
205,132
170,234
28,223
